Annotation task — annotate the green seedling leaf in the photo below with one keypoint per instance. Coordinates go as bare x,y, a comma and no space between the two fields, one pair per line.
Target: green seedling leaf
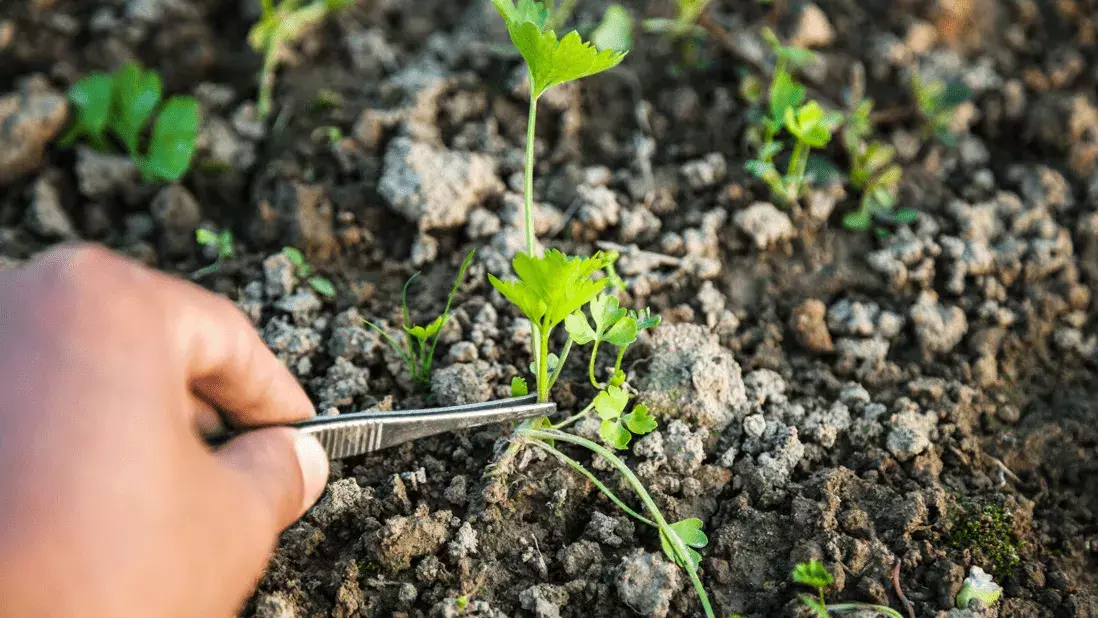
623,333
689,532
322,286
812,573
820,170
615,31
639,421
615,435
953,94
136,94
857,221
761,169
296,257
423,333
91,100
551,60
645,319
815,605
552,287
207,238
978,585
618,378
606,312
579,329
610,403
519,388
173,140
785,94
226,250
808,124
904,216
769,151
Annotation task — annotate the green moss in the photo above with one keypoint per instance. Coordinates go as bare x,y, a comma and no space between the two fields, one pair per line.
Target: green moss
987,532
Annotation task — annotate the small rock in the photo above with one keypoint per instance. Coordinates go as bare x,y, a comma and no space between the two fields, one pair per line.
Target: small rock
765,224
463,352
302,306
343,498
464,543
434,187
937,328
610,531
343,383
811,327
646,582
545,600
462,383
279,275
910,434
705,173
219,143
29,120
404,538
274,605
813,28
178,215
45,216
685,449
102,175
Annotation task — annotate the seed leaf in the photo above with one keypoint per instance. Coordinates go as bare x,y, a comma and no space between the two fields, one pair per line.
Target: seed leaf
136,95
639,421
91,98
322,286
296,257
689,532
784,94
579,329
623,333
206,238
615,435
519,388
172,144
812,573
615,31
610,403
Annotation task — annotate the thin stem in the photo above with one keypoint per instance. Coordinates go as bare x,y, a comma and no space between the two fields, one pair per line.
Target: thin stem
578,467
531,240
591,365
267,74
560,363
575,417
853,607
617,363
681,553
543,368
794,177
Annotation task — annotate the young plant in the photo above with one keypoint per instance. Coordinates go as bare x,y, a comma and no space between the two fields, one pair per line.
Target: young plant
551,288
279,27
121,104
304,270
937,101
814,575
872,173
221,241
685,22
418,351
808,123
980,586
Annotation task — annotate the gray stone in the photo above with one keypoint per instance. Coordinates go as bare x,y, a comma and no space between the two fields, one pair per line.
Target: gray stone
646,582
545,600
279,275
303,306
462,383
103,175
45,216
342,498
30,118
343,383
910,433
706,172
937,328
178,215
765,224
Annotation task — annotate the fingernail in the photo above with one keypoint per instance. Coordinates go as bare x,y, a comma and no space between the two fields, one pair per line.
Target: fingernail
314,467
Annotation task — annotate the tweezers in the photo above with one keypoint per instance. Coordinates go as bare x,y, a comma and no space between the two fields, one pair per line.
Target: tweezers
358,433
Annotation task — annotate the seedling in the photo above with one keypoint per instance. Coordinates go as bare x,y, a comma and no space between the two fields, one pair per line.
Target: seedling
279,27
873,173
615,31
121,104
937,101
808,123
814,575
980,586
418,351
552,289
685,22
222,241
304,270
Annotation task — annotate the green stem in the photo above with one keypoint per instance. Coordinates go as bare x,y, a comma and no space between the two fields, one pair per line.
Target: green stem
794,175
853,607
560,363
543,368
578,467
528,190
591,366
575,417
267,76
617,362
681,553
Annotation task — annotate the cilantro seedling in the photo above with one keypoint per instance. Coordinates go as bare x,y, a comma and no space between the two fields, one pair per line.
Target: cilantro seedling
814,575
221,241
418,349
937,101
873,173
304,270
121,104
279,27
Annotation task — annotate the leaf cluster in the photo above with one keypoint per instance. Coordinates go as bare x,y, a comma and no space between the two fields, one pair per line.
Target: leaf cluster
221,241
304,270
551,59
279,26
420,341
121,104
873,173
937,101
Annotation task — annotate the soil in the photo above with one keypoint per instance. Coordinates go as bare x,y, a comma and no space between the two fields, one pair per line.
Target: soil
921,400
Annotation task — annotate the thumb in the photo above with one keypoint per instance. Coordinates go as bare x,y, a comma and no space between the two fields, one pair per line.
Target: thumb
281,473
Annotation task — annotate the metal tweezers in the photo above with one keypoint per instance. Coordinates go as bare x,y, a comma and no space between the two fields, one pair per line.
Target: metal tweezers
357,433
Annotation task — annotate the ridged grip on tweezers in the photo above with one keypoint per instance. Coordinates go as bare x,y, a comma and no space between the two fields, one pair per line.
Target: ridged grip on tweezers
350,439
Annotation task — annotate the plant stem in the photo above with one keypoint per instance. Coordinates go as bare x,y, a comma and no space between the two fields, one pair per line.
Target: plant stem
683,557
575,417
793,191
543,367
528,189
853,607
578,467
591,365
267,76
560,363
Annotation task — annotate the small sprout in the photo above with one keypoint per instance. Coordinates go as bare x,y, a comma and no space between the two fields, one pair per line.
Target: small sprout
329,134
815,575
279,27
304,270
615,31
222,242
418,351
519,388
979,586
122,104
685,22
873,173
327,99
937,101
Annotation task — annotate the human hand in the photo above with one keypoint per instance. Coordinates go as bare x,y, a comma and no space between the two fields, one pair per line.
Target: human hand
111,504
